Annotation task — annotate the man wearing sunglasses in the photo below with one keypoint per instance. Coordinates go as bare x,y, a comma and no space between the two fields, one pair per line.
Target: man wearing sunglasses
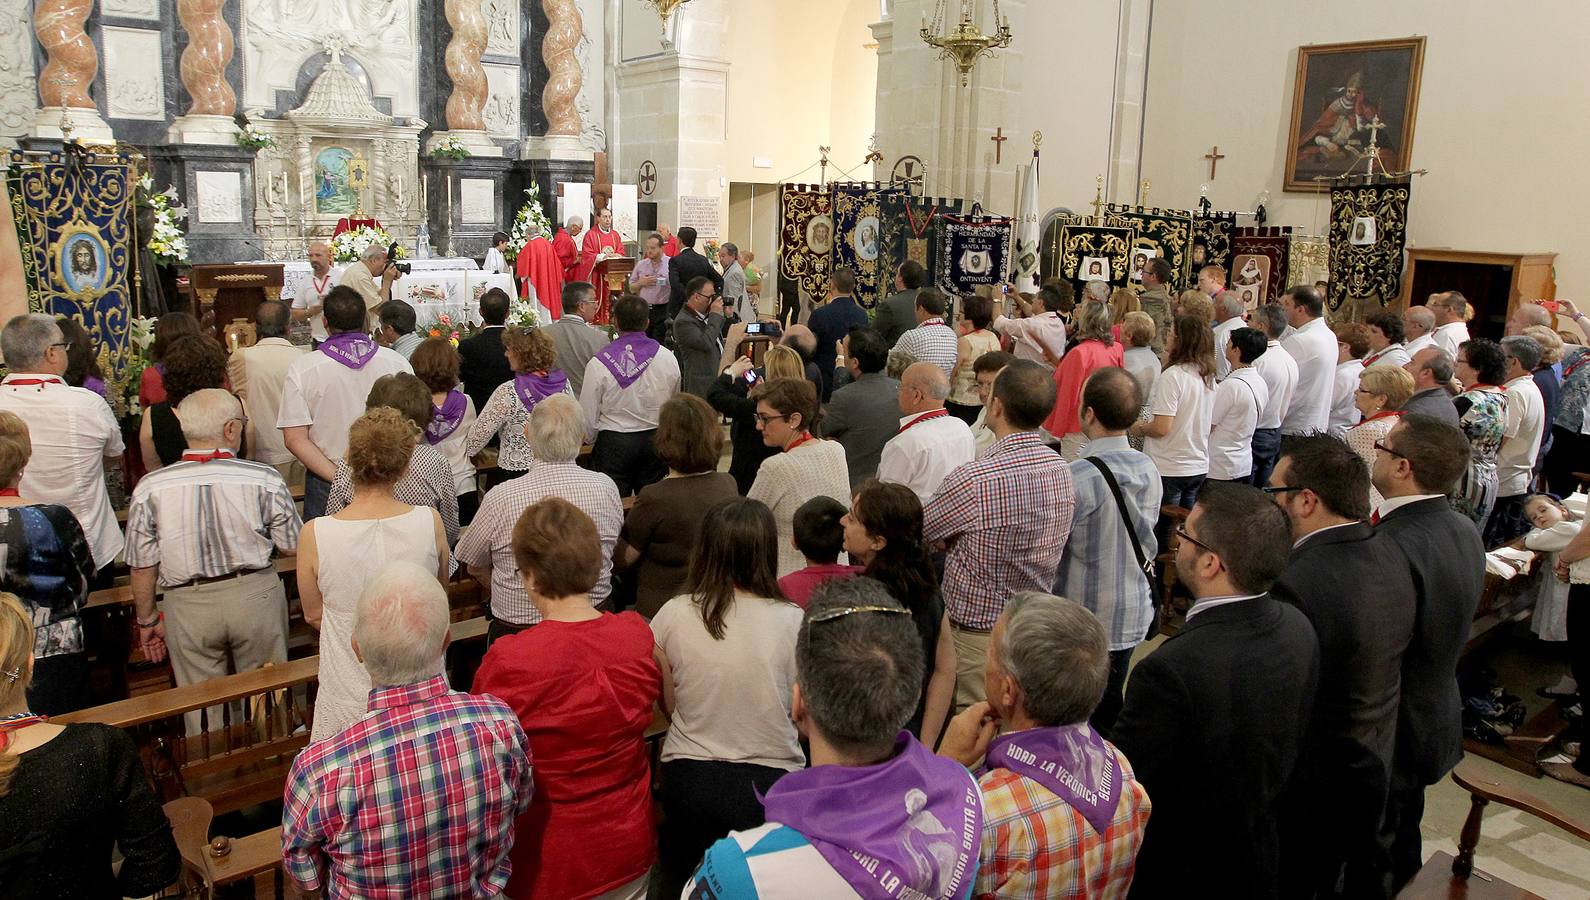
1417,463
1357,592
1214,719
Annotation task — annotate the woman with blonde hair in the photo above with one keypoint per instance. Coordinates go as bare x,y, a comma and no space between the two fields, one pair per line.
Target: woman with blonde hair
533,356
70,794
730,396
1123,301
340,554
1382,390
1095,348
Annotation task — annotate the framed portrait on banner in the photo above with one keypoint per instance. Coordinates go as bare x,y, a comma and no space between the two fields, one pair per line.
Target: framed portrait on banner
1343,93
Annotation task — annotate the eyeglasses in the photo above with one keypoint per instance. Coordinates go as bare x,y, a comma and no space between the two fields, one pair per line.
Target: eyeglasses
1381,445
839,612
64,345
1280,488
1181,532
242,420
764,419
700,294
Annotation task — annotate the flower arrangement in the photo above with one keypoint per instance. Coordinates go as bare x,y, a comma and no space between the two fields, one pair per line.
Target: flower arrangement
445,327
351,244
530,222
252,138
167,242
450,147
522,313
711,249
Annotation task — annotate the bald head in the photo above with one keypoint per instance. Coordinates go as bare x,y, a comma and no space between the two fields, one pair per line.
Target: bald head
923,387
1417,321
1527,315
803,340
1228,306
319,254
1430,367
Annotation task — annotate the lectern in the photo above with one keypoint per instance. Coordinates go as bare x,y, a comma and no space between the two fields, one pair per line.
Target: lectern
609,276
234,291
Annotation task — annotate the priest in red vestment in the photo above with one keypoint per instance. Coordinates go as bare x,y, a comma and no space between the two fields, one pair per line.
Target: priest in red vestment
670,241
567,247
538,266
602,240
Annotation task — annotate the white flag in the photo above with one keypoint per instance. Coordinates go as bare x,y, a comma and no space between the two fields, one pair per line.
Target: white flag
1027,234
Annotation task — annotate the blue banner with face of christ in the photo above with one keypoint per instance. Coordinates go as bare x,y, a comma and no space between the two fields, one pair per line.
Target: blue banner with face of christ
858,238
973,251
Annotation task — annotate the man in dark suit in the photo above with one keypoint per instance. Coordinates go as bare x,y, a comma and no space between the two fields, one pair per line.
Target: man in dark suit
1415,466
865,413
832,321
684,268
897,314
482,364
1356,590
1214,718
698,335
574,337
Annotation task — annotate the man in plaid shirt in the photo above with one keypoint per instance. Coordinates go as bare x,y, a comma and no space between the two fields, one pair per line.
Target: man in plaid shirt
1063,814
1004,517
418,798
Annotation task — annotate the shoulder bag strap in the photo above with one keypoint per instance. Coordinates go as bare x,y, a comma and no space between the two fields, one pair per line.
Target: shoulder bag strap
1143,562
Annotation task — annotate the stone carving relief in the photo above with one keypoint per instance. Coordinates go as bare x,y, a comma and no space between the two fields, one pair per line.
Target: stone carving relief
502,100
477,200
587,101
131,9
280,34
220,196
502,26
17,85
134,85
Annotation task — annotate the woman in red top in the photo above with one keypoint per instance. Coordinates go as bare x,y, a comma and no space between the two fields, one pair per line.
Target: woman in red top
583,684
169,327
1096,348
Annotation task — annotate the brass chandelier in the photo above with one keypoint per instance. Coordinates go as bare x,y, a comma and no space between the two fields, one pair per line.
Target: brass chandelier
965,43
665,8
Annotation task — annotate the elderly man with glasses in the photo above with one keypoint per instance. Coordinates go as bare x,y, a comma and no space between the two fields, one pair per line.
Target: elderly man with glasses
72,429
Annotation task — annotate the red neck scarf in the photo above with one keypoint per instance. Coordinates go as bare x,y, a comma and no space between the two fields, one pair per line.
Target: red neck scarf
930,414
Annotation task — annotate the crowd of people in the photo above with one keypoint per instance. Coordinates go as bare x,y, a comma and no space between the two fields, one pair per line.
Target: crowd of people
891,640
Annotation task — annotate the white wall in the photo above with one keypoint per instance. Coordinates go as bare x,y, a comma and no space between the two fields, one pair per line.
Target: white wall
1500,125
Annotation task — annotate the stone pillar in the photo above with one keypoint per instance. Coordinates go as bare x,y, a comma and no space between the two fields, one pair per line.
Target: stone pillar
560,93
64,82
464,120
210,46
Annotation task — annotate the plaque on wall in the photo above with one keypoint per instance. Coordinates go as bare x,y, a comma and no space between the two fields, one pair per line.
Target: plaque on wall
477,201
219,196
700,213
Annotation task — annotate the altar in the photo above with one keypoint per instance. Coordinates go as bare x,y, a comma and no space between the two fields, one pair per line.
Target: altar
434,287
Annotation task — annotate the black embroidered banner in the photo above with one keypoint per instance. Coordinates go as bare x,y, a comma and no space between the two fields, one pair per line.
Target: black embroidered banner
911,230
973,251
858,227
1095,253
806,236
1165,233
1260,260
1211,242
1368,231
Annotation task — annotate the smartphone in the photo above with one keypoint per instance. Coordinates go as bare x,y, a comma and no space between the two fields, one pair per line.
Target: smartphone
1550,306
753,328
1004,289
751,376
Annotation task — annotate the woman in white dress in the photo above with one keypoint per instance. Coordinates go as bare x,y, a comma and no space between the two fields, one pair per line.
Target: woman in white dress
355,544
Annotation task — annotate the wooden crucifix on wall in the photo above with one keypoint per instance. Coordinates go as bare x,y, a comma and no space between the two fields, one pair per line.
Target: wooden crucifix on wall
1214,156
999,140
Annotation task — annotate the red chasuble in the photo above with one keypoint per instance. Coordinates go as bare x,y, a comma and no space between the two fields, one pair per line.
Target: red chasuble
538,264
568,255
595,241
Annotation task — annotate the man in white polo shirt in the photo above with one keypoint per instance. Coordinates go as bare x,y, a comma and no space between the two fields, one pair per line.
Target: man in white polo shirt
1522,431
308,297
1313,348
72,430
1451,329
1279,372
930,442
1228,318
1417,323
326,390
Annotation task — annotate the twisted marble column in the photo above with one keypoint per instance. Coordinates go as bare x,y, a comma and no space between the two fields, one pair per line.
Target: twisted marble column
72,61
563,68
463,66
204,61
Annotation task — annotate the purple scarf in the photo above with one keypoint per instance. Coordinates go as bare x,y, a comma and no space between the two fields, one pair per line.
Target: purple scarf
445,418
1072,761
914,823
97,385
533,388
629,357
350,348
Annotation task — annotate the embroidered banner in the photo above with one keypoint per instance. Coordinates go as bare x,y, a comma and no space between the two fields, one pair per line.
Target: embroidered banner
858,225
911,230
1368,230
806,236
1165,233
1310,259
75,227
1095,253
972,251
1260,258
1211,242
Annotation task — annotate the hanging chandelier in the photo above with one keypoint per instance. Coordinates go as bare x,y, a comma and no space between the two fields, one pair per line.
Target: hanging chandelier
965,43
665,8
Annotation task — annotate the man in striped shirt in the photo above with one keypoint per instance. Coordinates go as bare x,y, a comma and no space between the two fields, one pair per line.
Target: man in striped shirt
932,340
203,530
1063,814
1004,518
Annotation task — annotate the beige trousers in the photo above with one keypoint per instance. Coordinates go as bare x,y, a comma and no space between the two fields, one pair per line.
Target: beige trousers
971,657
223,628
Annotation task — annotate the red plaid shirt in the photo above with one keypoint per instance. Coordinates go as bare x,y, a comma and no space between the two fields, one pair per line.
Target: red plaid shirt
1036,846
1006,517
416,799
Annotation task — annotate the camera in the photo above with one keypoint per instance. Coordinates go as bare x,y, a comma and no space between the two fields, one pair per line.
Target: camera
391,261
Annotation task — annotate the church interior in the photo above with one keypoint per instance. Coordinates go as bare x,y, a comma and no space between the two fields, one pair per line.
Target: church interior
168,156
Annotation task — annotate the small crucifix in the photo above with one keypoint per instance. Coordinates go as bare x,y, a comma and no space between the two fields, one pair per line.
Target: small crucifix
999,140
1214,156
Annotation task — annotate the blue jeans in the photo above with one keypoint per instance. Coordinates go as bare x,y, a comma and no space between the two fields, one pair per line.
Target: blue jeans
1266,451
1182,490
317,491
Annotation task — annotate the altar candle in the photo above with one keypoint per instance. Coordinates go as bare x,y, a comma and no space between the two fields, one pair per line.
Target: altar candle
449,201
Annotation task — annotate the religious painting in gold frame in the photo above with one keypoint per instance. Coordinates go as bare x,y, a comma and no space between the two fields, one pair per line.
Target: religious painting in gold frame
1340,90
